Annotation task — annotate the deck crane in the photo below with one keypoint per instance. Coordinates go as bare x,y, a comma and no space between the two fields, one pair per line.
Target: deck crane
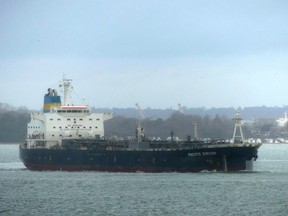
142,116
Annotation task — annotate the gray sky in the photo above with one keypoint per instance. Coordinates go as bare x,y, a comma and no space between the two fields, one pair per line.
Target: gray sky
158,53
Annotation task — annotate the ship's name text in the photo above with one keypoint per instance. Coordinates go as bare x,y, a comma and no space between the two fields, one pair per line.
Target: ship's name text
197,154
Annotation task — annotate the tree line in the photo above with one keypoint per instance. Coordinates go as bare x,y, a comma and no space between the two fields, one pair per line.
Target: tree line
13,126
182,126
13,123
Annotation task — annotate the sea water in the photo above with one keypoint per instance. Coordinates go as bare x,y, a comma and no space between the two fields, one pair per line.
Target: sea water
263,191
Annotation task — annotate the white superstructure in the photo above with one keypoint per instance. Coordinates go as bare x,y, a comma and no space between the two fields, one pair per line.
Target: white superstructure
66,122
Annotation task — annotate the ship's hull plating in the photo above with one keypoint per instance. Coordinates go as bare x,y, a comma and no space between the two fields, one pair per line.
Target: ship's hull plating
193,160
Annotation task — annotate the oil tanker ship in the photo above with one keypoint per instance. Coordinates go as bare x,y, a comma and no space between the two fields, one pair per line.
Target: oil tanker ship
71,138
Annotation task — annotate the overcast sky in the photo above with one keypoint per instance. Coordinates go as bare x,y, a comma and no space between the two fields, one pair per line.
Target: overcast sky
157,53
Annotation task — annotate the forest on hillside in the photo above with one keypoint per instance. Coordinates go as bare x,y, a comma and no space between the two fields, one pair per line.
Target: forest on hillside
181,125
13,125
247,113
217,127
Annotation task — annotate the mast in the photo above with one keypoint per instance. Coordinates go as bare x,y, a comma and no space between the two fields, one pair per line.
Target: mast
66,84
195,130
238,125
139,133
180,108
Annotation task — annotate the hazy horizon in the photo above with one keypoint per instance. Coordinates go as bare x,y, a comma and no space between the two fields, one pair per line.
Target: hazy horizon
155,53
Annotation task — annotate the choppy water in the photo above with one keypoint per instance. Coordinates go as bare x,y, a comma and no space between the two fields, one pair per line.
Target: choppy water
261,192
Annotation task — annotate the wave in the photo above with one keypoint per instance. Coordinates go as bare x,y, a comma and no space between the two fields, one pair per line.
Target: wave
12,166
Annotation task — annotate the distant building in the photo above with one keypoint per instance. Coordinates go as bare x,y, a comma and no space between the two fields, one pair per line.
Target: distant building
283,121
248,122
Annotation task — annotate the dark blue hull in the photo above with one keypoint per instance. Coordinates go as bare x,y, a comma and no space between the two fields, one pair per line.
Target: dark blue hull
188,160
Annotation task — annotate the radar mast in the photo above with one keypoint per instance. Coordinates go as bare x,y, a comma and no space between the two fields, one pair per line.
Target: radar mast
66,84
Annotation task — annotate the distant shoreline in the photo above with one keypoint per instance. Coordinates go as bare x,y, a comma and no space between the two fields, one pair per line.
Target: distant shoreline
3,143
